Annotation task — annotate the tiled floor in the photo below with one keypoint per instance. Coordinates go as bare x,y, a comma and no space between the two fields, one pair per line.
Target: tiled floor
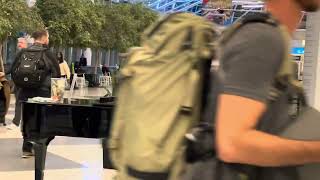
67,159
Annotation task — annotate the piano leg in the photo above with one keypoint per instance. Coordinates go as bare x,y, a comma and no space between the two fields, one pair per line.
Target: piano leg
40,148
107,164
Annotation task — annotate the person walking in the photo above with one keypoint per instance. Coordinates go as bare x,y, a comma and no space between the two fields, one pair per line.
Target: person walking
246,124
34,82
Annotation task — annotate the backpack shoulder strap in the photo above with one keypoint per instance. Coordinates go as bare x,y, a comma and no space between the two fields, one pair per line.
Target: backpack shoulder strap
45,59
260,18
285,76
18,59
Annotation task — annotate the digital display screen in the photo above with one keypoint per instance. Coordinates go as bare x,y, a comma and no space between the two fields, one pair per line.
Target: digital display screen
297,50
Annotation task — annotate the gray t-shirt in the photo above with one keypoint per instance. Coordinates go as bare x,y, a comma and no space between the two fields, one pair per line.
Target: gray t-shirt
251,59
250,62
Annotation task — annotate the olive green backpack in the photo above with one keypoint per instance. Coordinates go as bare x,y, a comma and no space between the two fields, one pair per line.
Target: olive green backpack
161,94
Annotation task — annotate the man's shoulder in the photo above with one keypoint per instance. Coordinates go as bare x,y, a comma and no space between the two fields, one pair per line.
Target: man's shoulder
260,27
36,48
251,59
261,34
256,41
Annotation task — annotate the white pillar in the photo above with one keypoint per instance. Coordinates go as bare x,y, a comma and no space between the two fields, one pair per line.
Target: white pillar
311,73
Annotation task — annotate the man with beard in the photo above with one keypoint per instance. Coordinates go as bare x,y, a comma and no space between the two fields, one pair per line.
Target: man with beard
245,122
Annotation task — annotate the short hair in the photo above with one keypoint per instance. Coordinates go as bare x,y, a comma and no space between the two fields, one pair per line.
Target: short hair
39,34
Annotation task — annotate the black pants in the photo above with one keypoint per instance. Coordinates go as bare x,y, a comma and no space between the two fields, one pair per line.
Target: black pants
17,111
23,95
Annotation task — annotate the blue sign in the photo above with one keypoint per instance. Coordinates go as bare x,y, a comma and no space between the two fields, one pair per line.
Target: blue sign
297,50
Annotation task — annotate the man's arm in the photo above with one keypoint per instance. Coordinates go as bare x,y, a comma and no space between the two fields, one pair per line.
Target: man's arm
240,142
250,61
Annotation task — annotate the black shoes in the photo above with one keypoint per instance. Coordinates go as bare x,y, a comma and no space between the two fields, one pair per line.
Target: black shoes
27,149
27,154
3,120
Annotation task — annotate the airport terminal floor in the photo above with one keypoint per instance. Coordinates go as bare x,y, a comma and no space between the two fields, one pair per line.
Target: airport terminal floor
67,158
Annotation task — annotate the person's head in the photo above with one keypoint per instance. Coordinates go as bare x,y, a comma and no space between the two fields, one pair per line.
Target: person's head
309,5
289,12
41,36
305,5
60,57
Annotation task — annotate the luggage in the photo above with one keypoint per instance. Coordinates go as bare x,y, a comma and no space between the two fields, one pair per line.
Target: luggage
31,69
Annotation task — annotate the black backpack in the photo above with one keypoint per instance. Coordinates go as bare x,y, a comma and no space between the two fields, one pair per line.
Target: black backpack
31,69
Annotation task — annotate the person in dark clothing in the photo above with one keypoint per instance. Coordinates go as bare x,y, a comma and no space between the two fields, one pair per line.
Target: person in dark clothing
83,60
4,97
51,65
105,70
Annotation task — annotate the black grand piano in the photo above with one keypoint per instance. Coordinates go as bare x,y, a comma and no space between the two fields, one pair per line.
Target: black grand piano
85,118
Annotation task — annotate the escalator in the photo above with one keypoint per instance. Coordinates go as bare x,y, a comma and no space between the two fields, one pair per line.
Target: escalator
170,6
